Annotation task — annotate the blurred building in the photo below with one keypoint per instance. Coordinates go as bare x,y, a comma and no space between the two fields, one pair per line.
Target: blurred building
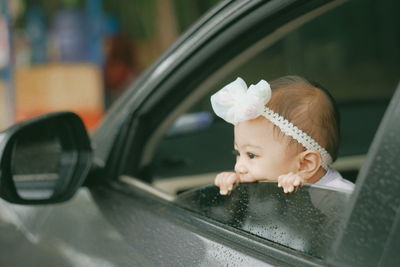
80,55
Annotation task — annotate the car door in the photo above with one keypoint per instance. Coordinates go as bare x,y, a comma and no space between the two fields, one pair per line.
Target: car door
166,162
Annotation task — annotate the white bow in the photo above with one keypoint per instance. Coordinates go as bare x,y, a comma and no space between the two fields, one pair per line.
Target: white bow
235,103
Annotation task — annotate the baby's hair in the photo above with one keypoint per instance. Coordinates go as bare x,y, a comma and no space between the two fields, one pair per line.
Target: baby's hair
310,107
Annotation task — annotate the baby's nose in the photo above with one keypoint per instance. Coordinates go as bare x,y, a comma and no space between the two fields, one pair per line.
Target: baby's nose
240,167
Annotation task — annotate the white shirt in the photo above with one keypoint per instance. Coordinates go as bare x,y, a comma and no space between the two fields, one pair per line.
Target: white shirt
333,179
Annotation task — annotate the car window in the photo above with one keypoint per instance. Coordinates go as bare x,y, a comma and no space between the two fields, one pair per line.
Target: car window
354,57
306,221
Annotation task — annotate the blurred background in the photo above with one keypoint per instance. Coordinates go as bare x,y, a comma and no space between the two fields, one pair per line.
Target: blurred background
80,55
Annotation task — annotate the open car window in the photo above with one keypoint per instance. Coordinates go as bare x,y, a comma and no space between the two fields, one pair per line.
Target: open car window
306,221
351,63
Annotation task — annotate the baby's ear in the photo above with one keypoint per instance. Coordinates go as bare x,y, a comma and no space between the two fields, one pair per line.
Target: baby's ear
309,164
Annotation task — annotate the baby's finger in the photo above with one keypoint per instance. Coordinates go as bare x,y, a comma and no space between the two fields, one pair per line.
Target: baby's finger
282,180
287,181
217,180
223,192
226,183
231,179
290,189
230,182
223,188
297,182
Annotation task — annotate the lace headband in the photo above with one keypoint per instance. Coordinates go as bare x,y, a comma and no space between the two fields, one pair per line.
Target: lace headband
235,103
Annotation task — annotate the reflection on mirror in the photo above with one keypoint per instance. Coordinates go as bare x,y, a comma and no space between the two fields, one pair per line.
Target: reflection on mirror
35,165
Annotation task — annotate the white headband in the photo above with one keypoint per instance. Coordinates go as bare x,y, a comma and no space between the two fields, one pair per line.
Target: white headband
235,103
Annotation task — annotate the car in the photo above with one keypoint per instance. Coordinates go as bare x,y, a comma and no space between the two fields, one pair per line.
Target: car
137,191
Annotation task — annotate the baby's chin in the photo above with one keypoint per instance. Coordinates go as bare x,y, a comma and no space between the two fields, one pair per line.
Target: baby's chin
246,178
250,179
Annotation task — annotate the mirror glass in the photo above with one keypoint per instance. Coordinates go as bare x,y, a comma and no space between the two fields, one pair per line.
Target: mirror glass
35,165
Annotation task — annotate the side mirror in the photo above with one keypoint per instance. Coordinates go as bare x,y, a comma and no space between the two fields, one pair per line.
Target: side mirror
44,160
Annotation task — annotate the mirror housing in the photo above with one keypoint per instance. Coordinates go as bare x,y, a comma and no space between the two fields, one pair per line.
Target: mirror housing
44,160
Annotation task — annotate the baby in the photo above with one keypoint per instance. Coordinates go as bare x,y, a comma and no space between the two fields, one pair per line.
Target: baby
289,134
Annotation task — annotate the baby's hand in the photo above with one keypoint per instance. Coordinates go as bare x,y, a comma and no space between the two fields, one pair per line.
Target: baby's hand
290,182
226,181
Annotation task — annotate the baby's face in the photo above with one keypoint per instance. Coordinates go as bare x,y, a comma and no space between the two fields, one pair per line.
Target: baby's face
260,154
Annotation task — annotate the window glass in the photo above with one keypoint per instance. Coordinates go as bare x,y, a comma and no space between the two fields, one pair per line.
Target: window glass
306,221
351,50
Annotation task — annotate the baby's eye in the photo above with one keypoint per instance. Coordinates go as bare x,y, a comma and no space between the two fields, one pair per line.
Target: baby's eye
235,153
251,155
